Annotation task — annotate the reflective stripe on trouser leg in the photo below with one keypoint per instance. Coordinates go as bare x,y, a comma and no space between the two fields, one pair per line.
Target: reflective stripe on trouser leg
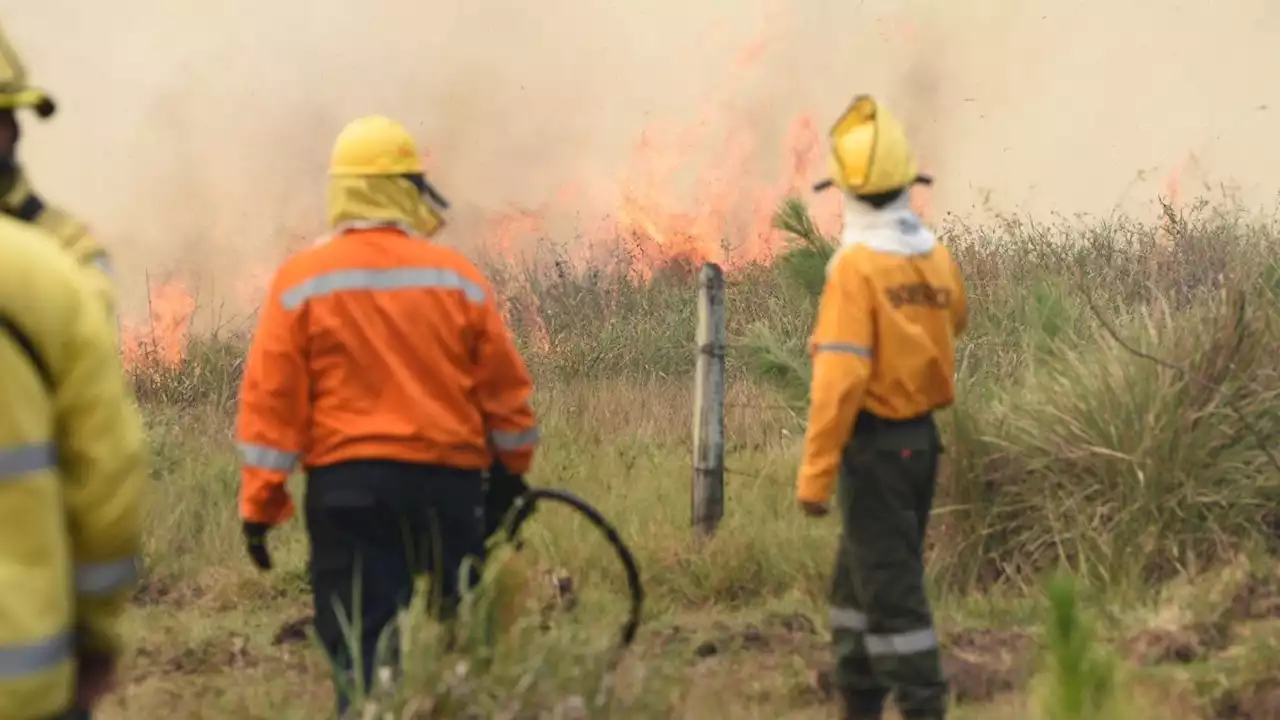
843,618
883,529
854,676
906,643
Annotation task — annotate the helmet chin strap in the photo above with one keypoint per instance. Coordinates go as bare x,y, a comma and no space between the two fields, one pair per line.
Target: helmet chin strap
9,157
8,172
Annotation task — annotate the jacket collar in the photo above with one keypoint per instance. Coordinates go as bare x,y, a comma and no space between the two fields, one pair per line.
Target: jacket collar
894,228
347,226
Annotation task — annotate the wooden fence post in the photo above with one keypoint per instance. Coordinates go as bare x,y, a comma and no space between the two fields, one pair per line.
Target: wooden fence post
708,410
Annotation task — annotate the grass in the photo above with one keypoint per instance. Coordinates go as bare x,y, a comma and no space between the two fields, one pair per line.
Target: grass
1142,478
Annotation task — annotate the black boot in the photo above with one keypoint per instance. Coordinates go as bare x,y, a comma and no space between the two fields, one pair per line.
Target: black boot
849,713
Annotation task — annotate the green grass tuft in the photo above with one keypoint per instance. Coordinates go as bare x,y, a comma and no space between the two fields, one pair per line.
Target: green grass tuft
1065,449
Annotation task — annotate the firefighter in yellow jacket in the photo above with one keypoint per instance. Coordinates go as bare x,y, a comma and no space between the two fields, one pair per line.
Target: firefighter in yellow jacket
72,469
17,198
883,360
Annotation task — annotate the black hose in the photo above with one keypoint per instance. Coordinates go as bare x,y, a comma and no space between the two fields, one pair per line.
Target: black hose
524,510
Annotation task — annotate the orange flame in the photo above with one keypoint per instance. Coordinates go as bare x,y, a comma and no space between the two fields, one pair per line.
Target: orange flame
727,218
162,341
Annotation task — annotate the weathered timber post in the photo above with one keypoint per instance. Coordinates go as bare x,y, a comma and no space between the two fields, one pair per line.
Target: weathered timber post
708,410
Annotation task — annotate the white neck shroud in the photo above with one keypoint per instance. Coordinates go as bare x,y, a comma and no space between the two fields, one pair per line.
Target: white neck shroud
894,228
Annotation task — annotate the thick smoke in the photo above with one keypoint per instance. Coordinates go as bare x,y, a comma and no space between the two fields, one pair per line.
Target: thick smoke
194,137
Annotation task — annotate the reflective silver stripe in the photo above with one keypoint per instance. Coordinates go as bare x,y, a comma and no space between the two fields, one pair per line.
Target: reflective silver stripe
20,660
105,578
103,263
395,279
847,619
847,348
906,643
503,440
19,459
267,458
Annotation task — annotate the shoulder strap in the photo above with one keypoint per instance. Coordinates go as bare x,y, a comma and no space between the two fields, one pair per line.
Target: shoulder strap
29,209
23,341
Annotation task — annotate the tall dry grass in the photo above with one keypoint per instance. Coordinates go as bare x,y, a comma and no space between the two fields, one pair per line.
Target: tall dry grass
1064,448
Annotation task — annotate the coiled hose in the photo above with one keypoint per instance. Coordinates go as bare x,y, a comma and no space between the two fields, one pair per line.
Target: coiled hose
524,510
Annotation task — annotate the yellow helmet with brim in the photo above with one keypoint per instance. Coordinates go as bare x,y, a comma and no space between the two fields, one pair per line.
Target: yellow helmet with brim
870,154
15,91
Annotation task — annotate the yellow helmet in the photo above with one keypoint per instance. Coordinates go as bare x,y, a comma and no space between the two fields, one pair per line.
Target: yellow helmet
14,91
370,158
870,154
374,145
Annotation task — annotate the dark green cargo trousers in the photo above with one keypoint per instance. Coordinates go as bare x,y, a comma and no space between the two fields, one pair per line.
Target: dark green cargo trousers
882,625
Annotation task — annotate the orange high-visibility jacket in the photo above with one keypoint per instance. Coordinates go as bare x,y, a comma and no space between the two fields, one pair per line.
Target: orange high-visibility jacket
891,310
378,344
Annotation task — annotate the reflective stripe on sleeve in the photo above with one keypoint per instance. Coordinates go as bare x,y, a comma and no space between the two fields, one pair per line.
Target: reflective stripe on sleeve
394,279
846,348
267,458
847,619
18,660
105,578
907,643
19,459
507,441
103,262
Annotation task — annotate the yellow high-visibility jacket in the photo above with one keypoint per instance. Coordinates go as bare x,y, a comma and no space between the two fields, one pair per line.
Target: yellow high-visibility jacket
72,474
884,342
20,200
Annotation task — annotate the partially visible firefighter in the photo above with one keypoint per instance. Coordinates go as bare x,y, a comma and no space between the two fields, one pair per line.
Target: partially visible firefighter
72,473
18,198
883,352
381,366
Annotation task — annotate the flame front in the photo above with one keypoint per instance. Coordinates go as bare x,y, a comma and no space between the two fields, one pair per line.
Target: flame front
161,342
725,216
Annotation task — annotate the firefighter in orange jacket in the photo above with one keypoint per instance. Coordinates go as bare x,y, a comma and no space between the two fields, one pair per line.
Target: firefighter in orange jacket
381,365
883,360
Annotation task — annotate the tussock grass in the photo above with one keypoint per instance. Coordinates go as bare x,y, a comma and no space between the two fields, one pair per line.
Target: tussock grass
1068,444
1065,450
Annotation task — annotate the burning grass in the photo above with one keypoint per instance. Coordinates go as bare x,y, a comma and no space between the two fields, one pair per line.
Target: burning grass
1064,448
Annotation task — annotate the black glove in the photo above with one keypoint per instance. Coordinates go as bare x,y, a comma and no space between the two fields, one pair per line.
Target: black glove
255,536
501,493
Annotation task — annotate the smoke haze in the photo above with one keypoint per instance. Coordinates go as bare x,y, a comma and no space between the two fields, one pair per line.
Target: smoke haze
194,136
